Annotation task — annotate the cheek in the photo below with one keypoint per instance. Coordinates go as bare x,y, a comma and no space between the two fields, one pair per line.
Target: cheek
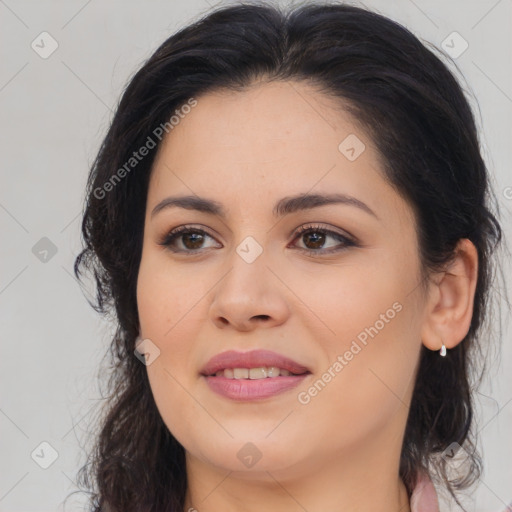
173,380
342,301
154,305
170,317
370,321
166,295
368,389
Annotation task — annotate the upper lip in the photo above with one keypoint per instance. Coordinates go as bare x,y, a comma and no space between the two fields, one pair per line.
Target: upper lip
252,359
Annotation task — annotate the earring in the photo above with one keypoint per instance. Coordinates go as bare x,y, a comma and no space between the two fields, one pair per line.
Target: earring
443,350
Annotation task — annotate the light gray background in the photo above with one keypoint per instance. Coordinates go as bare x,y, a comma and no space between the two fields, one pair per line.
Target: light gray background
54,114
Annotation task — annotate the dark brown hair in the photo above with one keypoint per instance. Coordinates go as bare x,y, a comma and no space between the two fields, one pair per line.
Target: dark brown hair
421,123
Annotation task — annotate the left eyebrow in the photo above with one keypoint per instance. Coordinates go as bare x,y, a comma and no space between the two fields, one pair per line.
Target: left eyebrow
284,206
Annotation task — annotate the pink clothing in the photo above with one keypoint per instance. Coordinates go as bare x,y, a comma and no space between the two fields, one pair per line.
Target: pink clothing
424,496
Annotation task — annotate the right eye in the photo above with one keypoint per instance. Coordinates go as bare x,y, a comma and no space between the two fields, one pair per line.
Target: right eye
190,239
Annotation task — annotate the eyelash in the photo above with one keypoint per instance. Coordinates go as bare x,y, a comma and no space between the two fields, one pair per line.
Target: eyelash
170,237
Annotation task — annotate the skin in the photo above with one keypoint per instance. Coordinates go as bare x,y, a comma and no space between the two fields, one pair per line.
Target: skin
341,450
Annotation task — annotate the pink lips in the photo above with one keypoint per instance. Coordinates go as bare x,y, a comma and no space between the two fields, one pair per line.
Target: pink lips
247,389
252,359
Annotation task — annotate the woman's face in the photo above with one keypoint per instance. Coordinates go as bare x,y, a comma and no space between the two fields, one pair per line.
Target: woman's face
342,300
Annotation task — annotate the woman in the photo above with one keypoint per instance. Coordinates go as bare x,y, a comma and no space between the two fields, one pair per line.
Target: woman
290,217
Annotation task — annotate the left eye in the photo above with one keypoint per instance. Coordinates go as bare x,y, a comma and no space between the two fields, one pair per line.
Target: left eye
314,238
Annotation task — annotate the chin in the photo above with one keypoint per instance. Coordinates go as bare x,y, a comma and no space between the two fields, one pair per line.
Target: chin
247,457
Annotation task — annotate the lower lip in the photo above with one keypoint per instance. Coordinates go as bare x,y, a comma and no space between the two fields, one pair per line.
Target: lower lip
244,390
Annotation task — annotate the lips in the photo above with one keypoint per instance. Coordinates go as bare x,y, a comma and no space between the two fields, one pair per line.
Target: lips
252,376
253,359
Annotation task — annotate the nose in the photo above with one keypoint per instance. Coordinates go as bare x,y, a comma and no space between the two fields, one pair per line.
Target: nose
249,296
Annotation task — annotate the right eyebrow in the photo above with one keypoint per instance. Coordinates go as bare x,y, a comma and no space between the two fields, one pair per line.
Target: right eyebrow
284,206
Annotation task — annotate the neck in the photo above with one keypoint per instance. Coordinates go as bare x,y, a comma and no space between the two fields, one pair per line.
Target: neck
360,479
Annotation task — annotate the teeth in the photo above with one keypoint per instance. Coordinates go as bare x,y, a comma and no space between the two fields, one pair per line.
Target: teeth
273,371
253,373
258,373
241,373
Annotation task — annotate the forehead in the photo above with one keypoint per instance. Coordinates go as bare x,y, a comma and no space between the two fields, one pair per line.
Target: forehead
268,141
269,116
276,127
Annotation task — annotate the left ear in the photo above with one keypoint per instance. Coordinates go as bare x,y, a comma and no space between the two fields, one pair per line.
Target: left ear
450,303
